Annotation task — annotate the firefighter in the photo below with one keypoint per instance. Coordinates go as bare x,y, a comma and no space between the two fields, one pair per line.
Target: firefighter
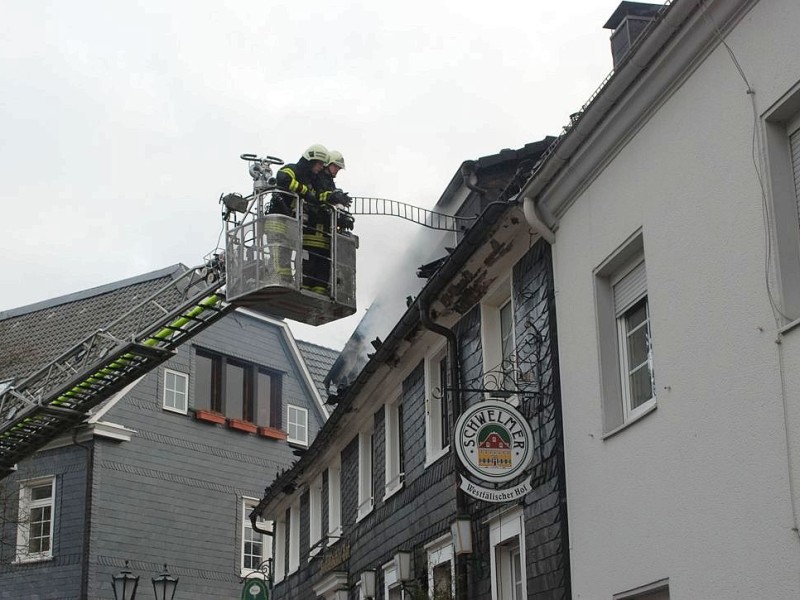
333,195
317,232
299,179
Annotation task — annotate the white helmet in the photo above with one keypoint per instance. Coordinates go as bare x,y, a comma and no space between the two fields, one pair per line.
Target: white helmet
316,152
335,158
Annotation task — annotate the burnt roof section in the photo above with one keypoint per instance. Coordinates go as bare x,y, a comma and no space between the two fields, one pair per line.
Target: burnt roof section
319,360
32,336
494,176
632,9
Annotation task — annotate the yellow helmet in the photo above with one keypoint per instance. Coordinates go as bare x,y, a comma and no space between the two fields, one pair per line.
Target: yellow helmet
316,152
335,158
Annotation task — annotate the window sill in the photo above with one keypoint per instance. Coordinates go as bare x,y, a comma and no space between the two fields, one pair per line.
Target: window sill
244,426
271,432
314,552
209,416
333,537
435,457
789,326
21,560
172,409
301,443
388,492
630,422
363,514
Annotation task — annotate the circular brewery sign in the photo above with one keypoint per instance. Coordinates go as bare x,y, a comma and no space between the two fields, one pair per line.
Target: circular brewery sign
494,441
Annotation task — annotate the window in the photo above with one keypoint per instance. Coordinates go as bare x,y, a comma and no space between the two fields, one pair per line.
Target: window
294,537
256,547
297,425
315,515
507,540
279,568
498,338
437,406
35,528
364,474
395,451
334,503
176,386
626,344
237,389
441,569
782,130
392,588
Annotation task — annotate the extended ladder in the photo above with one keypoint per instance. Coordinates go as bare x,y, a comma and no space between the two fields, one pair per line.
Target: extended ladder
59,396
421,216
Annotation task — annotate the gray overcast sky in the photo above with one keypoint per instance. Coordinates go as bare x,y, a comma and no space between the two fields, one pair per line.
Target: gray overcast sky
122,122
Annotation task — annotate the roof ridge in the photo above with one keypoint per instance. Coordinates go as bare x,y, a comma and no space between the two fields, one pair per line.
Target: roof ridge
306,342
91,292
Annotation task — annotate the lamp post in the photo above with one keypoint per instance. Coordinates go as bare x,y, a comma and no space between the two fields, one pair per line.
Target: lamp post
125,584
164,585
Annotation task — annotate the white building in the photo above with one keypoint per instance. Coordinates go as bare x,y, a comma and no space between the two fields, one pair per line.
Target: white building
673,204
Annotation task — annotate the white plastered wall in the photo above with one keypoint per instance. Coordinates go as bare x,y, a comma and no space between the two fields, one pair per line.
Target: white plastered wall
698,491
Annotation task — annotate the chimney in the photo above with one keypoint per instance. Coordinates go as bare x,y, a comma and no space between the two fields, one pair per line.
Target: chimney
627,23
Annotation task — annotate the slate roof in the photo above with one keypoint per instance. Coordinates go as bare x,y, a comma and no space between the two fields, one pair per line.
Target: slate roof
319,360
32,336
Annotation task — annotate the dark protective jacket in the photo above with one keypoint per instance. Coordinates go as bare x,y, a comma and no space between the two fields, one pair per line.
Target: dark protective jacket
298,179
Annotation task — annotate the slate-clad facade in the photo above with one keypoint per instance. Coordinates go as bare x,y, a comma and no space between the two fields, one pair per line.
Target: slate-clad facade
153,485
498,262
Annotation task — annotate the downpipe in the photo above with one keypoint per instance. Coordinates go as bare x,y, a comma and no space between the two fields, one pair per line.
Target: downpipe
461,576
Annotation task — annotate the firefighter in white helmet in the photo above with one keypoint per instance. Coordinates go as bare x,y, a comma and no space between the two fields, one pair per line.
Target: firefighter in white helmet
298,181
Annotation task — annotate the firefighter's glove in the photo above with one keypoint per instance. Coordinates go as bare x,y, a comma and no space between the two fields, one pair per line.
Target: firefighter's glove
345,221
340,198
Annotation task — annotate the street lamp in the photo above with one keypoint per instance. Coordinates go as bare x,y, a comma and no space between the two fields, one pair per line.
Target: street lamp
125,584
461,532
368,584
165,585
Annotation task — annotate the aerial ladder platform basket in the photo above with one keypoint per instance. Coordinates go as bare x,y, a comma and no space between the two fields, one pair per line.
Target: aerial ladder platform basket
269,271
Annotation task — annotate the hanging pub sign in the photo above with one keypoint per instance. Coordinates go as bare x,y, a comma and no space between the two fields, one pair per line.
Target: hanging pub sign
495,444
255,589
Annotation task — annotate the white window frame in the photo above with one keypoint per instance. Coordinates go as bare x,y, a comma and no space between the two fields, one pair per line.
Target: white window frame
334,503
612,301
440,552
508,527
491,334
365,476
315,516
175,392
248,504
279,562
297,428
390,581
634,295
435,394
294,537
24,525
393,429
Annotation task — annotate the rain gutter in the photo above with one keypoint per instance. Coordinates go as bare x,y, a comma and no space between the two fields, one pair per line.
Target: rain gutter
558,161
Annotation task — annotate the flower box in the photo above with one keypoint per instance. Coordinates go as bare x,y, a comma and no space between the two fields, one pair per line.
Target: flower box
209,416
240,425
271,432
